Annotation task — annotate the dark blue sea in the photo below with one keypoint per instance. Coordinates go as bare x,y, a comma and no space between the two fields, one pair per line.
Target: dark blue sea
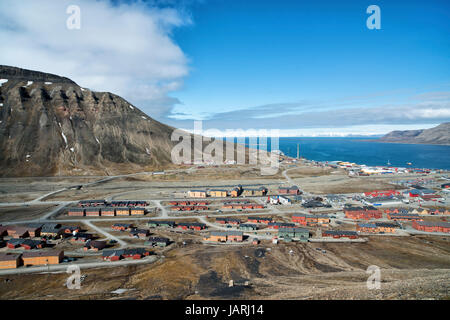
367,151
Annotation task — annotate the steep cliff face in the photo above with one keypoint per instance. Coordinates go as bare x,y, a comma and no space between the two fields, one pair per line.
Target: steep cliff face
50,126
436,135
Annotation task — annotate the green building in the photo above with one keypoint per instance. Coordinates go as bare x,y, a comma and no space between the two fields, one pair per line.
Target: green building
296,234
248,227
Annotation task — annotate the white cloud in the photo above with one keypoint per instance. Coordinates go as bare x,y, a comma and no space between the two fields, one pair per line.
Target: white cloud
126,49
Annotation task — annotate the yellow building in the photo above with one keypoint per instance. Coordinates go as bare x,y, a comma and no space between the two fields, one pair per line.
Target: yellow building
218,193
197,194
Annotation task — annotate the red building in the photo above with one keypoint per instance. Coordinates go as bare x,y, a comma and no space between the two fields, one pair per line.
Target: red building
340,234
192,226
17,232
108,212
404,217
259,220
228,221
93,212
76,212
289,190
121,227
310,220
378,193
431,226
363,213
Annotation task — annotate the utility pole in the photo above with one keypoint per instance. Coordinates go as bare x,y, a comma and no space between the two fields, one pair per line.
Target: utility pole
298,150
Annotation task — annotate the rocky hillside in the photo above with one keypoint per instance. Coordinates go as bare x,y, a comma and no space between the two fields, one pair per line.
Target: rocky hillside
51,126
436,135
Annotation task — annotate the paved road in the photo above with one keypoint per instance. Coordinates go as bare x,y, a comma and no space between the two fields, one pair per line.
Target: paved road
63,267
105,233
287,177
163,210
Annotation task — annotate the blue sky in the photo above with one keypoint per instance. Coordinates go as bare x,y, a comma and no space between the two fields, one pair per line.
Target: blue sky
319,55
305,67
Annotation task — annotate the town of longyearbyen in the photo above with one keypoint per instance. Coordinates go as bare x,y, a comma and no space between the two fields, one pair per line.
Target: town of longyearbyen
224,158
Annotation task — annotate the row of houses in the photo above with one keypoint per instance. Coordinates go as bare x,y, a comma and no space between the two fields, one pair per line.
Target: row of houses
379,193
419,211
188,203
363,213
340,234
15,260
243,206
293,234
404,217
214,193
106,211
311,220
377,227
94,245
278,225
50,230
189,208
431,226
104,203
225,236
144,233
264,220
254,192
248,227
237,201
191,226
122,227
33,230
133,253
230,221
222,193
26,244
139,233
159,223
293,190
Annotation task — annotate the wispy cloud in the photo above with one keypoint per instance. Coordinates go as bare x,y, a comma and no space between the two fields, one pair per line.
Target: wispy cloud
122,47
295,119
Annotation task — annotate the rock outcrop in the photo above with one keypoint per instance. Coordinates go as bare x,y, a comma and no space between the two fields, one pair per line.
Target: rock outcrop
436,135
51,126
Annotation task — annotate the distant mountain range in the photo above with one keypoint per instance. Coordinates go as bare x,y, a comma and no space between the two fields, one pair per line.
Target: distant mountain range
436,135
49,126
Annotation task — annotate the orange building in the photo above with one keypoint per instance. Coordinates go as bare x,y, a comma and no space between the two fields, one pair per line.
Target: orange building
224,236
217,237
218,193
108,212
197,194
42,258
137,211
10,260
122,211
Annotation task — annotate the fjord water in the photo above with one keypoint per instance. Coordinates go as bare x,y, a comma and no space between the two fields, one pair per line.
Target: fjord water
367,151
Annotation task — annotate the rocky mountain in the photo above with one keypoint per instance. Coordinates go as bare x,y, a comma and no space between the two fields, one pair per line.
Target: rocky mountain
51,126
436,135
